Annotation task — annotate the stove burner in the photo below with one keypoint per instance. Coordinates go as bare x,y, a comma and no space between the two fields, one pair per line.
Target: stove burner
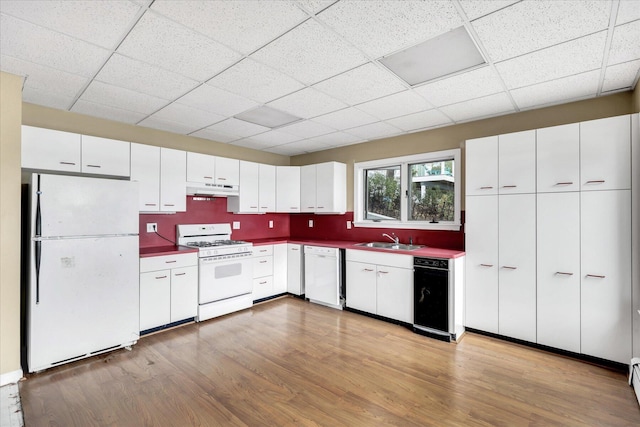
205,244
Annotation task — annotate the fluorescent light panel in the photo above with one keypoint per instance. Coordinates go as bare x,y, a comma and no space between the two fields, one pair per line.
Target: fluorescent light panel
440,56
267,116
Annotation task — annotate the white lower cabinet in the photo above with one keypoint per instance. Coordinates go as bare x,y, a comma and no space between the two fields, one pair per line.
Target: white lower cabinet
606,308
168,289
383,286
295,276
262,271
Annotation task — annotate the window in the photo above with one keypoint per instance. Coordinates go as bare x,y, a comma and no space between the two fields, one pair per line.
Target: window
419,191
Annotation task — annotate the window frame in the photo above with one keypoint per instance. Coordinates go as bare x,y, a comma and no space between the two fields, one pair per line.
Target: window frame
359,193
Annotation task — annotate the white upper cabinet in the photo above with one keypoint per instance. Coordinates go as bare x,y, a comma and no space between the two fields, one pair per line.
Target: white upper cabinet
331,187
288,189
227,171
200,167
517,163
308,188
558,158
173,187
481,166
248,200
145,169
50,149
105,156
267,188
605,154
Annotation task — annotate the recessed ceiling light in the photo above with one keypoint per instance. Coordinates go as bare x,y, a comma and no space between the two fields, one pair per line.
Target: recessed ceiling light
446,54
268,117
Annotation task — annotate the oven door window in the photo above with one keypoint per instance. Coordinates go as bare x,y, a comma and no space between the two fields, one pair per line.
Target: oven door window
221,279
228,270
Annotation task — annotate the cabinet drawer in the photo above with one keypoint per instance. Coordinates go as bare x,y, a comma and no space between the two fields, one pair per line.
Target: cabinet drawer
262,266
262,287
162,262
371,257
263,250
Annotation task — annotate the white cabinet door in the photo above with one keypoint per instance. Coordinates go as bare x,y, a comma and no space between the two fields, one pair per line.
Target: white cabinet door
558,158
50,149
517,266
145,169
267,188
288,189
481,289
200,167
606,309
280,268
173,187
105,156
331,187
481,166
308,188
517,162
558,270
184,293
262,287
155,297
295,283
394,296
361,286
227,171
247,201
605,154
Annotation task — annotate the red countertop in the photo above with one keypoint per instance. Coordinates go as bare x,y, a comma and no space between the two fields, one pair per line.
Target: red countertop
165,250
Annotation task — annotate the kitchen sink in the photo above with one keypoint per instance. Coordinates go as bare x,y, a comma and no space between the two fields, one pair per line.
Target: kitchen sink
389,245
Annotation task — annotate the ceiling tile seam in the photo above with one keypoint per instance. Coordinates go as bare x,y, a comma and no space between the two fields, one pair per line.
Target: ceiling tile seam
310,12
125,34
613,15
494,11
483,51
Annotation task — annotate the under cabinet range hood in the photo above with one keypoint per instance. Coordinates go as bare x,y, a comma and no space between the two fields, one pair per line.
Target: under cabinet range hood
211,189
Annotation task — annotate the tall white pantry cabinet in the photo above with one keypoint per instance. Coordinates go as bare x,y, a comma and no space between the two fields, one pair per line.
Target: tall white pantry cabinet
549,237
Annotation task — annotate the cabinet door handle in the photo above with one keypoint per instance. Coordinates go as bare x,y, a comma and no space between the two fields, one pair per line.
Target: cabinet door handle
161,277
564,183
68,163
94,166
150,204
207,177
367,269
253,207
320,207
180,274
596,276
221,178
486,188
486,265
293,207
310,207
595,181
509,186
383,272
263,283
262,262
295,249
169,204
564,273
264,207
170,262
509,268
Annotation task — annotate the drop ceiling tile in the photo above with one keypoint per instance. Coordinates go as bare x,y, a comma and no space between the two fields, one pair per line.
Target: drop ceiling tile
306,129
628,10
251,143
119,97
213,135
307,103
102,23
336,139
558,91
188,116
255,81
218,101
625,44
375,131
361,84
311,53
299,147
274,137
462,87
577,56
399,104
346,119
621,76
140,77
237,127
240,25
107,112
492,105
47,99
422,120
169,126
39,77
23,40
383,27
474,9
165,44
531,25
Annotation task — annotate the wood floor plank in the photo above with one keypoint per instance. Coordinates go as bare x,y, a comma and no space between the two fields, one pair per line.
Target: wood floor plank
291,363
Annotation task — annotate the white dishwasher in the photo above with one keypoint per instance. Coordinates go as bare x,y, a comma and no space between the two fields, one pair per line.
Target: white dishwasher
322,275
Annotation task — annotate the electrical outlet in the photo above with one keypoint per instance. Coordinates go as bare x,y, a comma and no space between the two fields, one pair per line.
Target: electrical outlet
270,224
152,227
236,225
310,223
348,225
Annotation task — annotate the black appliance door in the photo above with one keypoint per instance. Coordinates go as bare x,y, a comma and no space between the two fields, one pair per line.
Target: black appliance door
431,298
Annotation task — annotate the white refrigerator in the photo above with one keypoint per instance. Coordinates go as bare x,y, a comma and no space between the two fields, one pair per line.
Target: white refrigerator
82,289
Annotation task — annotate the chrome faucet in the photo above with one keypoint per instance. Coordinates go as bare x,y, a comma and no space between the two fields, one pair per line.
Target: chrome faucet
395,238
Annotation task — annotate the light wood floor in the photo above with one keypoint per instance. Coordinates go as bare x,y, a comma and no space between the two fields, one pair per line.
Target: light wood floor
291,363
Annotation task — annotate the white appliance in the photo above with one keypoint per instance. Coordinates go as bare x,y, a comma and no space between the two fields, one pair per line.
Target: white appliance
225,269
322,276
83,286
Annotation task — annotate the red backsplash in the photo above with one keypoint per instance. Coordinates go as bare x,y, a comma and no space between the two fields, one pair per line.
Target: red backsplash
295,226
212,212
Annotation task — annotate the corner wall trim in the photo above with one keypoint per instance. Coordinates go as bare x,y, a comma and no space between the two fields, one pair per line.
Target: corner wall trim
10,377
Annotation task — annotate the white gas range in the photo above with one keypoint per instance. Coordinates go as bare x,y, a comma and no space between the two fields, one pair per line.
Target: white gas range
225,268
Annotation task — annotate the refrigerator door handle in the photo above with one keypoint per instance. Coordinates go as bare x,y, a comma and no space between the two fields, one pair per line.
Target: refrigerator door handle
38,224
38,256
